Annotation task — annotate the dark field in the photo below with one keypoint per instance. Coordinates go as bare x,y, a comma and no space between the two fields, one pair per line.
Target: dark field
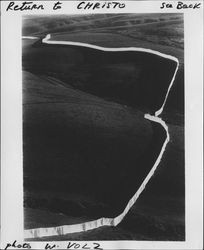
160,32
123,76
87,146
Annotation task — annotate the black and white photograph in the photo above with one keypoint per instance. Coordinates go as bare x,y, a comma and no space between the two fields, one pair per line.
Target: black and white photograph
101,125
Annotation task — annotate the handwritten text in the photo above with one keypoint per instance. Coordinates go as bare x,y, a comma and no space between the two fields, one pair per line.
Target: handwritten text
180,5
100,5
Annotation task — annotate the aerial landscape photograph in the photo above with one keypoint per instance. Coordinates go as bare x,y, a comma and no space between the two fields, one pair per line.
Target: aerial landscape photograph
103,127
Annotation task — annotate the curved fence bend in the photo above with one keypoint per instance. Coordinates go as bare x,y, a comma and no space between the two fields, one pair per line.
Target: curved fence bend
89,225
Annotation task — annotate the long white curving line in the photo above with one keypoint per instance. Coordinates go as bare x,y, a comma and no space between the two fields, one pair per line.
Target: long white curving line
158,112
81,227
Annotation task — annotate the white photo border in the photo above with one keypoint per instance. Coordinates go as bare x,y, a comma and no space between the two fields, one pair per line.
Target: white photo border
12,225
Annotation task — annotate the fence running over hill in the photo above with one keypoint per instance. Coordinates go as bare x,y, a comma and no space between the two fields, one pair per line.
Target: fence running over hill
89,225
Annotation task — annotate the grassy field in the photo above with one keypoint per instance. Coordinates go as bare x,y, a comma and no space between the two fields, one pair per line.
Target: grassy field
165,30
68,23
161,32
122,78
84,120
85,138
